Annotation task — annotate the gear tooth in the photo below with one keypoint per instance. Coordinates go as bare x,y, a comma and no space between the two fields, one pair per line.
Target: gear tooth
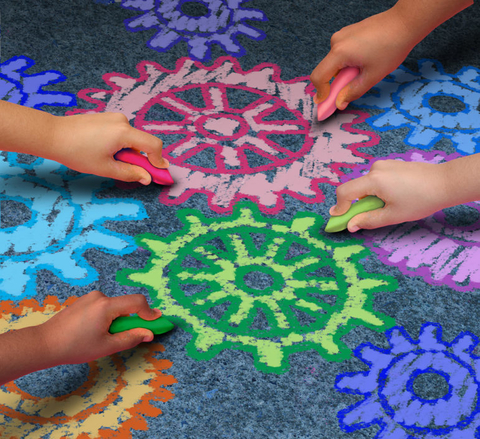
470,76
465,342
400,341
430,337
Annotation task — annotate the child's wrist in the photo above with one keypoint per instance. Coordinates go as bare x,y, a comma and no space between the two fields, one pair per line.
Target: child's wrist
447,184
47,345
58,140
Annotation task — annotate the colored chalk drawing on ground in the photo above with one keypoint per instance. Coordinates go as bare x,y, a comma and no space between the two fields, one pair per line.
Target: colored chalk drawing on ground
50,218
397,390
432,104
19,87
260,285
231,134
115,399
198,23
436,248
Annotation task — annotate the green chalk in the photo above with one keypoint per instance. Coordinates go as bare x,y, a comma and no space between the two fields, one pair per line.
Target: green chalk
339,223
158,326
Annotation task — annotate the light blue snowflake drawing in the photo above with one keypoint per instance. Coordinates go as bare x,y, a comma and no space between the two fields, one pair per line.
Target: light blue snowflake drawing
19,87
432,104
64,219
394,401
200,23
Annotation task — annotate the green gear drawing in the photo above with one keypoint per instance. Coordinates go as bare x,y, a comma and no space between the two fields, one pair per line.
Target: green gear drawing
199,278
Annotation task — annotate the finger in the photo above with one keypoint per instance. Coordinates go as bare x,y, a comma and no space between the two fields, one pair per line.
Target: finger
129,339
321,77
349,192
372,220
151,145
92,296
132,304
356,89
123,171
128,172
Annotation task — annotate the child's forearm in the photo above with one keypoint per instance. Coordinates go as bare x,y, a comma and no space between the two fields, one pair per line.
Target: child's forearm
23,351
421,17
462,181
25,130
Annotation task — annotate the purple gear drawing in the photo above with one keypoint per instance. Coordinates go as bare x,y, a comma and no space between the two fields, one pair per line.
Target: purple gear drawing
200,23
18,87
436,248
395,390
233,134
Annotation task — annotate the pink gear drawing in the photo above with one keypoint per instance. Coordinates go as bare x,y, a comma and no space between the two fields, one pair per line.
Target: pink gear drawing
440,252
245,159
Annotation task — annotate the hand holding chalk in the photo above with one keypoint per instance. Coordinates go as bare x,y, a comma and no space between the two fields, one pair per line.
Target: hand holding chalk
159,176
340,222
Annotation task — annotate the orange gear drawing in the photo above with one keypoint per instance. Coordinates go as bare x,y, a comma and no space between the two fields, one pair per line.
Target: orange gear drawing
113,400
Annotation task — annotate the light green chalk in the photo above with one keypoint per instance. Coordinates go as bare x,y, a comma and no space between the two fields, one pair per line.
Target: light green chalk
339,223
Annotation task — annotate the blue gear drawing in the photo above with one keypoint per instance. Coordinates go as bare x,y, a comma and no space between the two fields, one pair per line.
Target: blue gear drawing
220,23
66,219
18,87
406,100
390,400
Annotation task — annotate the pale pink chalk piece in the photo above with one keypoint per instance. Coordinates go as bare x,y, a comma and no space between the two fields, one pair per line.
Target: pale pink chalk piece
327,107
159,176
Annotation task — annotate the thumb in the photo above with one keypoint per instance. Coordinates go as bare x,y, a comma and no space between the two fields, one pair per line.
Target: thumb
371,220
352,91
357,87
342,206
323,91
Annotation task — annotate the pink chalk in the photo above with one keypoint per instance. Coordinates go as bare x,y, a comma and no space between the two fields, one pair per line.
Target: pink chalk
327,107
159,176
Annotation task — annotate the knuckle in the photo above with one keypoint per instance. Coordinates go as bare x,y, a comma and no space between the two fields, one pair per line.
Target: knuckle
335,38
377,167
118,117
96,295
139,300
341,191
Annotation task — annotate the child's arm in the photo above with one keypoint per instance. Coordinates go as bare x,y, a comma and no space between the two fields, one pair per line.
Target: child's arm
410,190
77,334
379,44
84,142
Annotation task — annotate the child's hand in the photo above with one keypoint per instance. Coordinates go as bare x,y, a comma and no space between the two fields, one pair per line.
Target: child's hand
88,142
376,45
410,190
80,332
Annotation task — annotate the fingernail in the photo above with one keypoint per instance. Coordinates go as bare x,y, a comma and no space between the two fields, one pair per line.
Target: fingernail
144,181
354,229
165,164
157,312
332,210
